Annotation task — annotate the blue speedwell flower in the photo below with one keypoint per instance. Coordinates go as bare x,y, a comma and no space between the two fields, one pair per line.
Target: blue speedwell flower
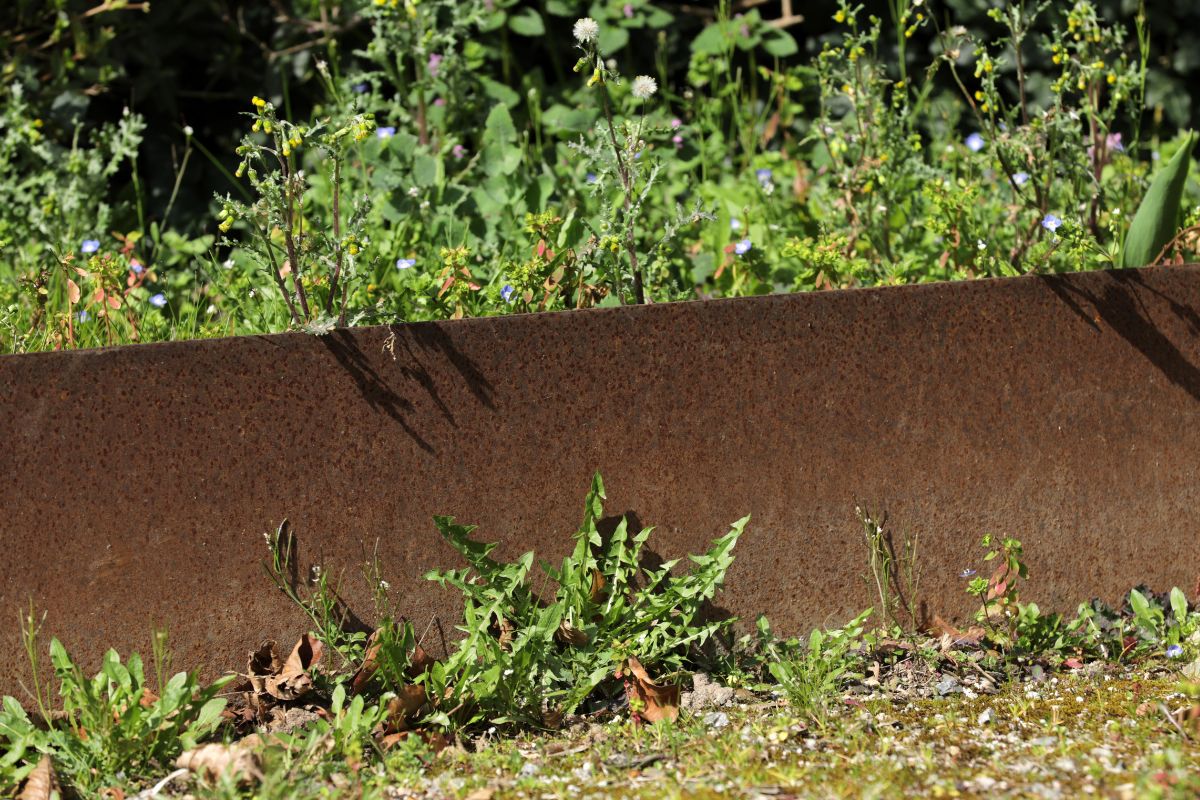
735,224
763,175
159,300
966,573
405,263
1174,651
82,316
90,245
974,142
385,131
1020,178
742,247
507,293
1051,223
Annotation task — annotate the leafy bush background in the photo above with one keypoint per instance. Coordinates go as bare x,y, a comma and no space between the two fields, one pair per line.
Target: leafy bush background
121,121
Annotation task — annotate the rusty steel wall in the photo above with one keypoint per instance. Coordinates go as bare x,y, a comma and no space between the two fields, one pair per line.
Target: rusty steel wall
136,482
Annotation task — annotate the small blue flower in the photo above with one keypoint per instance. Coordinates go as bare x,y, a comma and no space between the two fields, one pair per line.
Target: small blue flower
1020,178
735,224
974,142
591,177
385,131
90,245
1174,651
763,175
159,300
966,573
507,293
82,316
405,263
136,266
742,247
1051,223
360,88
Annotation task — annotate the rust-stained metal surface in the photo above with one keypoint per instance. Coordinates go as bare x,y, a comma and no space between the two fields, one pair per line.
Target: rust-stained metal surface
136,483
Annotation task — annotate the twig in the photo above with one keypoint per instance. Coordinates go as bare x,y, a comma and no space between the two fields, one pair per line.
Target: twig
154,790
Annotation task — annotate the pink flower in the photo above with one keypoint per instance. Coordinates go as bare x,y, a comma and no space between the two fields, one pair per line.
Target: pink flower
435,64
628,11
678,140
675,123
441,101
459,151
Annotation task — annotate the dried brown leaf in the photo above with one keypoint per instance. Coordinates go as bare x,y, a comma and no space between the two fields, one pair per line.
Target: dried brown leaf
213,760
293,681
951,636
404,708
73,293
569,634
418,662
42,783
658,702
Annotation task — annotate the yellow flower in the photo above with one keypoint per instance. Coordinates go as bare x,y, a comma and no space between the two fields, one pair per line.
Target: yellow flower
1112,78
840,16
258,102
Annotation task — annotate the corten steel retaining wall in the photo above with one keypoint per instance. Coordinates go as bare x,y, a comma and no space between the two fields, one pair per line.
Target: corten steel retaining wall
136,482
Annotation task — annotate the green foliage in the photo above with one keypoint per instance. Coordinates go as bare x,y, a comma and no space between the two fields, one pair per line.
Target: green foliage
812,673
111,726
878,150
525,654
1157,217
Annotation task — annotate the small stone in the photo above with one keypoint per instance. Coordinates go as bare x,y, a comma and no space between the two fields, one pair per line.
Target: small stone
529,769
1064,764
706,693
716,720
948,685
985,717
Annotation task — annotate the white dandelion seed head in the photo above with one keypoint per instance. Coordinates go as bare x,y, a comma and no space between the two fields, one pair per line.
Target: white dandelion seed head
643,87
586,30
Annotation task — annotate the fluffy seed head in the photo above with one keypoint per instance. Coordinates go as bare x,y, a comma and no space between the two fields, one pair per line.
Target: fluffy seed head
643,87
586,30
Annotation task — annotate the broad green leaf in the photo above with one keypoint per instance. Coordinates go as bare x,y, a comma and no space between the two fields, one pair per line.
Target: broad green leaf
1139,603
612,39
527,22
1179,605
1157,217
425,170
780,44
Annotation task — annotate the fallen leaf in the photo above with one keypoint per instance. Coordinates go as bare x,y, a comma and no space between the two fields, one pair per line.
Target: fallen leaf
569,634
1072,663
437,741
404,707
262,664
658,702
418,662
115,792
42,783
215,760
951,636
482,793
293,681
73,294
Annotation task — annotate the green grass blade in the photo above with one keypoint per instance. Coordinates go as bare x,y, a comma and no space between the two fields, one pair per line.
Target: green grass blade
1157,216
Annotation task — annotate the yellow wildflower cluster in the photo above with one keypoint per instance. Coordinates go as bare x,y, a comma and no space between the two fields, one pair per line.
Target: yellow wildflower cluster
410,6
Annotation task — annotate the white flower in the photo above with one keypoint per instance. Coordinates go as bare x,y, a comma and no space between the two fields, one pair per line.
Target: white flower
643,87
586,30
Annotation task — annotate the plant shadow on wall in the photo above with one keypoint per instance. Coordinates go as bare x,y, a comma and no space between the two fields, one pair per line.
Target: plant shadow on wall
368,372
1122,305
